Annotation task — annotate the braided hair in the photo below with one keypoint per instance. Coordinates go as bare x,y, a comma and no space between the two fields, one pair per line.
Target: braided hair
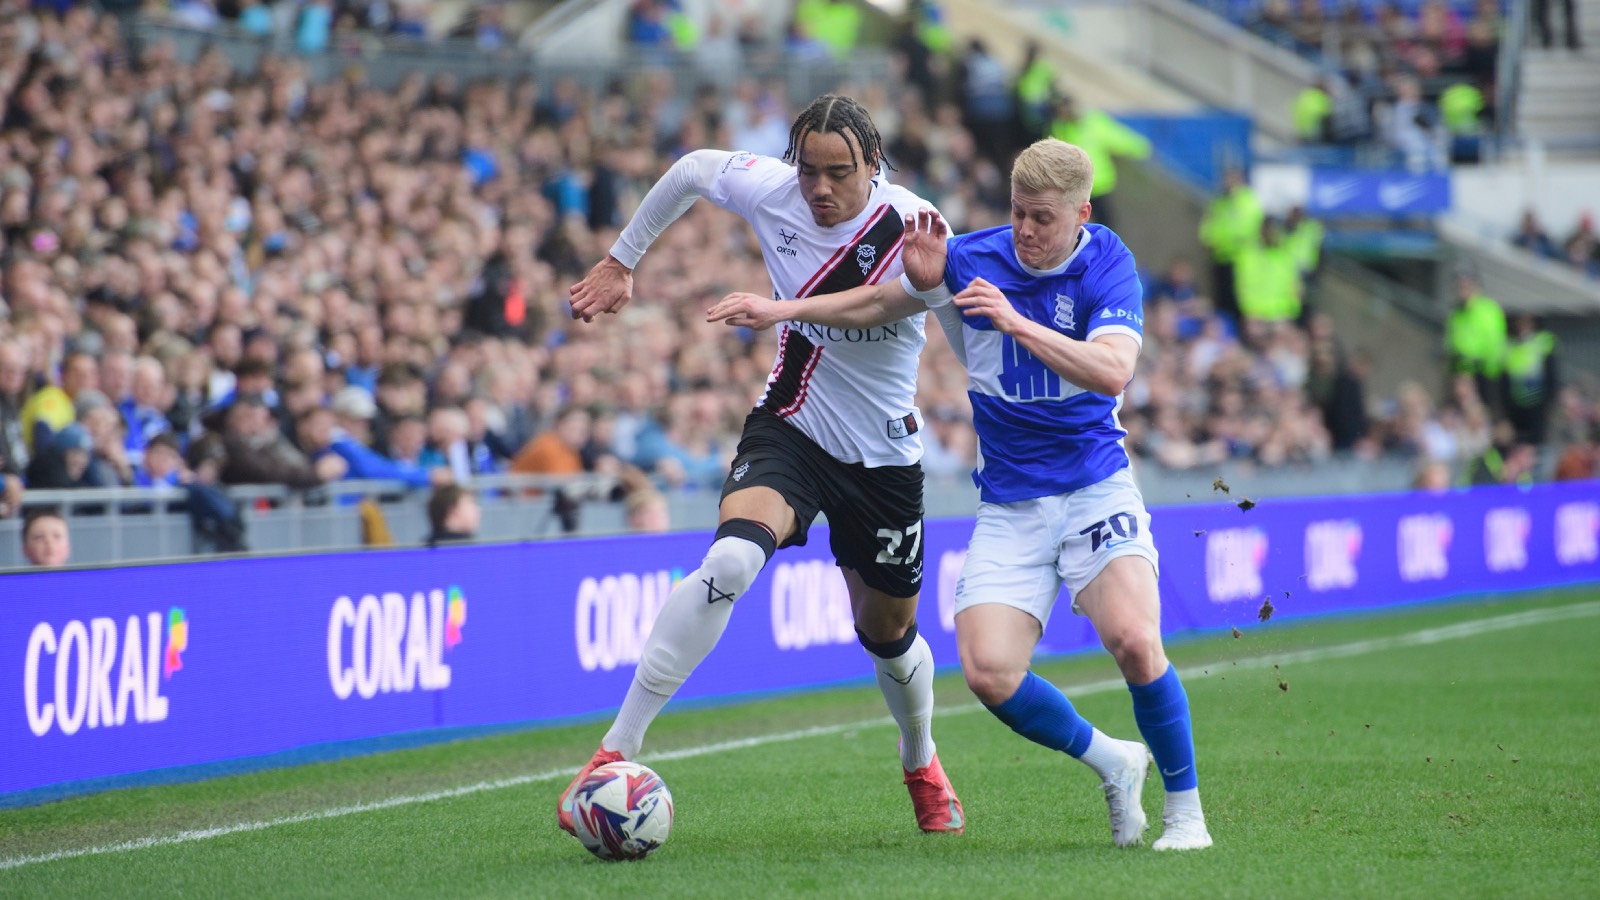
838,115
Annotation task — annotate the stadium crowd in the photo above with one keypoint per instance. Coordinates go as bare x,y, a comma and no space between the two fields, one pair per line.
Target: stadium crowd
1579,249
214,277
1417,79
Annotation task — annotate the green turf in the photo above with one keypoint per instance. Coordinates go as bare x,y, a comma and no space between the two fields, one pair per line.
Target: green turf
1462,767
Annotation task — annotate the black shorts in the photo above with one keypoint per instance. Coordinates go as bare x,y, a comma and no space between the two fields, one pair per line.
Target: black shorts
874,514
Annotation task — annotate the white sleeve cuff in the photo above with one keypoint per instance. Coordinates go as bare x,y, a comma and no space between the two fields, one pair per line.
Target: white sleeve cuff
627,254
1116,329
939,296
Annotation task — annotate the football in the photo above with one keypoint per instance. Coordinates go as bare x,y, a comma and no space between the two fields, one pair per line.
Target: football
622,811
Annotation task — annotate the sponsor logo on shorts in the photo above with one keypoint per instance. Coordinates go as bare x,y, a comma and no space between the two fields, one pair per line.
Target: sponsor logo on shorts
739,473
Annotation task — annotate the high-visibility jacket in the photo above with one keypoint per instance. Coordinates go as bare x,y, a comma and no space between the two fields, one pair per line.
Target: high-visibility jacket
1526,368
1267,282
1305,241
1232,223
1476,337
1312,107
1460,106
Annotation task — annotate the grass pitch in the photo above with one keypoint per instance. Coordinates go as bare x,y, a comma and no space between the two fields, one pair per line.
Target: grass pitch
1436,751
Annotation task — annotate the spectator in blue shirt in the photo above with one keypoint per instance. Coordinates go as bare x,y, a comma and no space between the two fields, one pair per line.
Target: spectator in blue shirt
315,27
161,464
318,436
145,408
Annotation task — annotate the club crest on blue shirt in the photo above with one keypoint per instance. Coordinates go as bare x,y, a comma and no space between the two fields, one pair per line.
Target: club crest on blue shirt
1065,317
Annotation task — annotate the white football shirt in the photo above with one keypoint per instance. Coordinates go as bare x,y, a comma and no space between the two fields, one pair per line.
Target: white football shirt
851,390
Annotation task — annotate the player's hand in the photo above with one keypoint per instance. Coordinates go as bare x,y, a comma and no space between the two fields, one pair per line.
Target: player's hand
980,298
606,289
749,310
924,250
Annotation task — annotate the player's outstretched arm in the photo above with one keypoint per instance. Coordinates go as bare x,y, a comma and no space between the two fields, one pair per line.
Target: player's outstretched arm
867,306
609,285
1103,365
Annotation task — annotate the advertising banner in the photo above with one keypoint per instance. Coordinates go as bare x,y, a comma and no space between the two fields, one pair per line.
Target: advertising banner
118,671
1365,192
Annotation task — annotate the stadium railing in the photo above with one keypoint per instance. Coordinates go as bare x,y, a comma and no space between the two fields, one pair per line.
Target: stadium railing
385,61
139,525
118,525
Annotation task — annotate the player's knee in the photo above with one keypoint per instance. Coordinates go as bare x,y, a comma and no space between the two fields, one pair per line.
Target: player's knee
893,633
991,680
888,643
741,548
1137,650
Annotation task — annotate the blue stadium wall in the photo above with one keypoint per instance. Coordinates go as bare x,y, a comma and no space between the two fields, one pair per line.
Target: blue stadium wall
116,676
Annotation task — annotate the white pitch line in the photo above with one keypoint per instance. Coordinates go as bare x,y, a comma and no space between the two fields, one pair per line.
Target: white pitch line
1336,651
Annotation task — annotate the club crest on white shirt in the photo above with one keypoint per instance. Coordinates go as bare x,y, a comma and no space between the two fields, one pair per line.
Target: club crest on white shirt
866,256
1065,317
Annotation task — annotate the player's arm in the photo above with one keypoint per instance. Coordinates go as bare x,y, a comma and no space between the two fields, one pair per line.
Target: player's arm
1103,365
609,285
867,306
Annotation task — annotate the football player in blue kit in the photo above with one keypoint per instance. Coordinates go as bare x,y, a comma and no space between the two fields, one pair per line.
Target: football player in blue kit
1046,315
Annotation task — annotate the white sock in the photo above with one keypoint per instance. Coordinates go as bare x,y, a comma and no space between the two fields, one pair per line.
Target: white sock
1184,802
907,685
688,627
639,709
1105,753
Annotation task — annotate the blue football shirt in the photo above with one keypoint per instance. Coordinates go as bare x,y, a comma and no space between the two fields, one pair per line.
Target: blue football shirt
1038,434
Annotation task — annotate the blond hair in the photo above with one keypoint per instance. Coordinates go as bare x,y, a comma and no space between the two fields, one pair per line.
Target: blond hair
1052,165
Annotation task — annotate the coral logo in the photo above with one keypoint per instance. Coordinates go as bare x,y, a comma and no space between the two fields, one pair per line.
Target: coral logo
1577,533
1332,549
104,677
1234,560
1505,539
615,613
1424,545
387,644
810,606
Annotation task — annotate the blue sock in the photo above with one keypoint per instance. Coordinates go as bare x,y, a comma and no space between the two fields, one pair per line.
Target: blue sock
1162,710
1041,713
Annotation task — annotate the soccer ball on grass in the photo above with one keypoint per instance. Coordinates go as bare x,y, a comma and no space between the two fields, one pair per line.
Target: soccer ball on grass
622,811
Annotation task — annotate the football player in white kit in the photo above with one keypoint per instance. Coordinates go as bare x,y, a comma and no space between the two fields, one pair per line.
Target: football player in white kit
836,431
1046,314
